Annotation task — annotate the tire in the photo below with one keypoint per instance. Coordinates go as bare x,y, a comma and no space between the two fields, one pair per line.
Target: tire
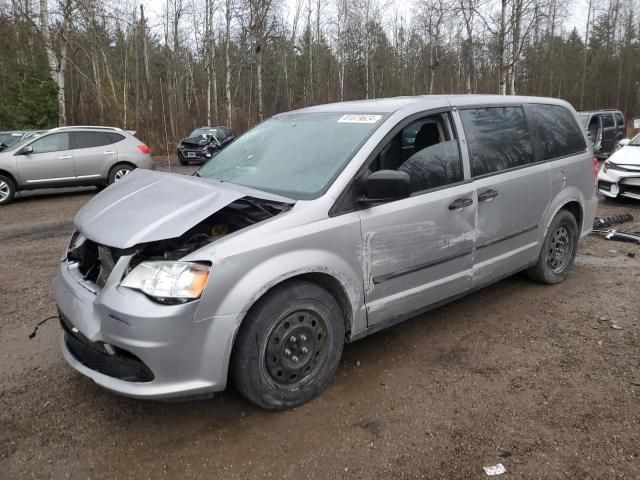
288,346
558,250
118,171
183,161
7,190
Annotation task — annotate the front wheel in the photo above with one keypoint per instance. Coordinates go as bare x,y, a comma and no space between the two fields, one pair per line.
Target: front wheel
558,250
7,190
289,346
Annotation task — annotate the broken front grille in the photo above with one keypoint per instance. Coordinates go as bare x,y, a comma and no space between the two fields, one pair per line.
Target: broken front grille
95,262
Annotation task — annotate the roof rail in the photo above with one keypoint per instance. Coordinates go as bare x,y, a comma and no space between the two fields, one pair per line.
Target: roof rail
85,127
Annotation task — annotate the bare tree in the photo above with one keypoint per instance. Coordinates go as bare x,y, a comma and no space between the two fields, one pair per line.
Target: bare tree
57,61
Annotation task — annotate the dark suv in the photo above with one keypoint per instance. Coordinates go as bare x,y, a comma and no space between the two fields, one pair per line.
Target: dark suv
606,128
203,144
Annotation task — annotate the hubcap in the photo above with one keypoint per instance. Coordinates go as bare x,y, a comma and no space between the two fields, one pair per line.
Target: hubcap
4,190
120,173
560,249
296,349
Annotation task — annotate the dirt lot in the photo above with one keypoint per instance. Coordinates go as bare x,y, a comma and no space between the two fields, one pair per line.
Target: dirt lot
545,380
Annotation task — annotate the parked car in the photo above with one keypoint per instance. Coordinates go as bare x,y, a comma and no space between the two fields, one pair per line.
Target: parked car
68,157
620,173
203,144
315,228
8,139
606,128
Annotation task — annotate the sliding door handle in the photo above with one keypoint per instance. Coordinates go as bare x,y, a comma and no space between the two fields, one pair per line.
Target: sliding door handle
64,157
460,203
108,153
487,196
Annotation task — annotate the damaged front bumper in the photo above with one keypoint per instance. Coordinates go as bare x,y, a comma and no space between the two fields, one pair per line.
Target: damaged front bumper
131,345
614,183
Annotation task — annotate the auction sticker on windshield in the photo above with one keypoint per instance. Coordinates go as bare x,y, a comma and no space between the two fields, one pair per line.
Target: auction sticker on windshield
351,118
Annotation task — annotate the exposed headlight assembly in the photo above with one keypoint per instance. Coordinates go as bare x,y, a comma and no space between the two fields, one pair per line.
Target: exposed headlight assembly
168,282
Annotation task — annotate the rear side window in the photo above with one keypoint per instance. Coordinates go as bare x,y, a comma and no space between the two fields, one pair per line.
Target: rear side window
607,120
498,139
619,119
56,142
115,137
557,131
90,139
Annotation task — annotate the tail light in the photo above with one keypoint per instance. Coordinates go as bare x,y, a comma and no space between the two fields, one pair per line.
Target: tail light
595,171
144,149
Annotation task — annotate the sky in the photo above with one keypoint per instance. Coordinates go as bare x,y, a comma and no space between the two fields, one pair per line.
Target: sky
577,10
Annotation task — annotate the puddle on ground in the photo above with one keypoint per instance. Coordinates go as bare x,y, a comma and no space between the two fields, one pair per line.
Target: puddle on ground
611,262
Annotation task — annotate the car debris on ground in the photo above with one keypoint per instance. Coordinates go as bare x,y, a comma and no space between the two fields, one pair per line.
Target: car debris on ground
600,225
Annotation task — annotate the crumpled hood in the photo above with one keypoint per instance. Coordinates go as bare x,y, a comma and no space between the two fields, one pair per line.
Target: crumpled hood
147,206
629,155
198,141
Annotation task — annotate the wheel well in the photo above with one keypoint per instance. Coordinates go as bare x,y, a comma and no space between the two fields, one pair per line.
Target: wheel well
330,284
10,177
576,210
129,164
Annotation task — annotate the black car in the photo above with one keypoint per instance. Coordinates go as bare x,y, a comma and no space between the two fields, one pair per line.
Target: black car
606,128
203,144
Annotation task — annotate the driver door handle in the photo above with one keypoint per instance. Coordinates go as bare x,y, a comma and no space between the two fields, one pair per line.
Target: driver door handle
64,157
108,153
487,196
460,203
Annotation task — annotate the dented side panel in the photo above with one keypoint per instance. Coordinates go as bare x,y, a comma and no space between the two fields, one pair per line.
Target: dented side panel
416,252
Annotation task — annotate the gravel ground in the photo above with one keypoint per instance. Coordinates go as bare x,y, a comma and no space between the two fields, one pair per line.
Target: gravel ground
543,379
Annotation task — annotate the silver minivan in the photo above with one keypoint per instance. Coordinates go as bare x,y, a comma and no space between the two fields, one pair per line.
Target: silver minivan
70,157
315,228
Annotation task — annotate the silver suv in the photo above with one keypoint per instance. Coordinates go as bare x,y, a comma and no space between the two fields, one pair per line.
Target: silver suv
68,157
315,228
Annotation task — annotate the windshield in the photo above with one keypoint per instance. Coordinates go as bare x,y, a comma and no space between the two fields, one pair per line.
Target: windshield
635,141
27,138
295,155
584,119
205,131
10,138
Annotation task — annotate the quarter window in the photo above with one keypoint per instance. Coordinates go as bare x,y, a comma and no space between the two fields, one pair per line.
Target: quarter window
498,139
619,119
90,139
56,142
557,131
115,137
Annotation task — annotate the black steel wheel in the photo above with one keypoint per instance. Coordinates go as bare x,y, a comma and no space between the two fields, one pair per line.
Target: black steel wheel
288,346
297,347
558,250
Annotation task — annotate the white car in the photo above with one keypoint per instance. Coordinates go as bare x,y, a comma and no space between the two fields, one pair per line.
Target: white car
620,174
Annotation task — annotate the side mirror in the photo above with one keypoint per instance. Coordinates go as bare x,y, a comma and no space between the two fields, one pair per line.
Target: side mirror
386,185
26,150
623,142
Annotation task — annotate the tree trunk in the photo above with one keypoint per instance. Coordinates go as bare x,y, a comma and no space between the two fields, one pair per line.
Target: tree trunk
57,65
227,60
502,50
584,58
259,82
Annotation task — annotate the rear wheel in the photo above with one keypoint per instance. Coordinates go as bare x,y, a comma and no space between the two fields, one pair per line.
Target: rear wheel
118,172
558,250
7,190
289,346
